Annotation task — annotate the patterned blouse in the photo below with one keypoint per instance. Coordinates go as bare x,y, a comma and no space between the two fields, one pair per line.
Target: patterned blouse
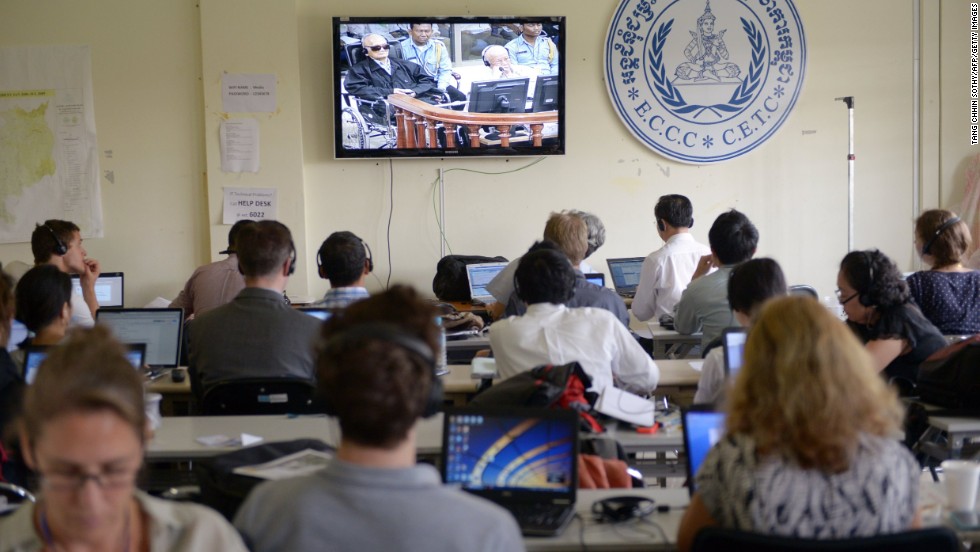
950,300
878,494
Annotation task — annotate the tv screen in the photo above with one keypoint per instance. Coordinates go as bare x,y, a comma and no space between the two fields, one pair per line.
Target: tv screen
448,86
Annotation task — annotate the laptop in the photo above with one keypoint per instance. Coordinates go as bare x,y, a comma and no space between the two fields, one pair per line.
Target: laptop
625,274
524,459
703,427
478,275
733,344
159,329
108,289
320,313
34,355
596,278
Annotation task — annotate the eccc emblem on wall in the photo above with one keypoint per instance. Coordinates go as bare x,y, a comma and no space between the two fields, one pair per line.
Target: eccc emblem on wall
704,81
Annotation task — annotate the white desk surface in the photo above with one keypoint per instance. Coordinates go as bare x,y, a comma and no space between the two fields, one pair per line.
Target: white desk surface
673,372
955,425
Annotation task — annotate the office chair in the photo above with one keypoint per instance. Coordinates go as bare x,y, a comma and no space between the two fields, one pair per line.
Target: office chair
933,539
803,289
259,396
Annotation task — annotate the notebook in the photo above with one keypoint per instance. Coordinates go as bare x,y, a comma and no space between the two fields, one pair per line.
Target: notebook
34,355
625,274
703,427
159,329
524,459
108,289
478,275
596,278
733,343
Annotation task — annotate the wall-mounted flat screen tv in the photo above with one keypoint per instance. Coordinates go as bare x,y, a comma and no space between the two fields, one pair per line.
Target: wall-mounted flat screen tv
448,86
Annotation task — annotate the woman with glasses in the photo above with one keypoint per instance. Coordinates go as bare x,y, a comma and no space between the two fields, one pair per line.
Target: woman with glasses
83,431
808,449
880,311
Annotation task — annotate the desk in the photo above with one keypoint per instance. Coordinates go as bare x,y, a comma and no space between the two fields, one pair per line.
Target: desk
629,535
668,344
462,351
178,400
458,385
958,430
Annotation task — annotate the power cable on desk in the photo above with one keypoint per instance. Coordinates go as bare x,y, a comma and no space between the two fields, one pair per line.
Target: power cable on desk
391,211
581,531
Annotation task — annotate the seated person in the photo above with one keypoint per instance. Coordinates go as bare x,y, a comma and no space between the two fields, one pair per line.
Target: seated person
433,57
43,297
11,379
534,49
568,233
597,237
258,334
84,432
379,76
704,304
376,371
880,311
809,448
750,285
667,271
948,293
344,260
214,284
59,243
551,333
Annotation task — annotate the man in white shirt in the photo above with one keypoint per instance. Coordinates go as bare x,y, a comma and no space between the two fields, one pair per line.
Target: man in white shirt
551,333
667,271
59,243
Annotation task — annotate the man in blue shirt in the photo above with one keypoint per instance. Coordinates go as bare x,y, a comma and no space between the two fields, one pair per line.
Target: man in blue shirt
433,56
534,49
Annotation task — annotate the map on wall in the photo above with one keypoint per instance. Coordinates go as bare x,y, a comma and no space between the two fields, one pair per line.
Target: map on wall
48,150
702,81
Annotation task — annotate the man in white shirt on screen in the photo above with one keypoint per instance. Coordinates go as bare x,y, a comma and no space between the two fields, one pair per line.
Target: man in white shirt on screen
667,271
59,243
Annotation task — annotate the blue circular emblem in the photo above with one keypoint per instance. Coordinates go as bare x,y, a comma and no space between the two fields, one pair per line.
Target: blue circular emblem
701,82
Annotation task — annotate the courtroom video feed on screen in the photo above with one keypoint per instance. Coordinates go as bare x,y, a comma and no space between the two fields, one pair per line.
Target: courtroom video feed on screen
448,86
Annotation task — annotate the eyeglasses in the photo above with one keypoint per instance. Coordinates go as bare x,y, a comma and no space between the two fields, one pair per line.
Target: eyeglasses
112,479
843,301
379,47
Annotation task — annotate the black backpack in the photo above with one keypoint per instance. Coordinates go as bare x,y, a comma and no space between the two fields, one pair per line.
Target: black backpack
950,377
450,283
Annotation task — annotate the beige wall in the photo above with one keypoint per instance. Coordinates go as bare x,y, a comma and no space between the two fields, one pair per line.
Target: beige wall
159,118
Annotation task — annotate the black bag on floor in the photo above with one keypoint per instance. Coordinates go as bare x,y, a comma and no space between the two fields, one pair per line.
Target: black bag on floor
449,283
224,490
951,376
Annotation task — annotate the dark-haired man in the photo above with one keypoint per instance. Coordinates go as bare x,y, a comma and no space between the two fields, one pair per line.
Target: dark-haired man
433,57
704,304
375,368
258,334
59,243
667,271
534,49
551,333
343,260
213,284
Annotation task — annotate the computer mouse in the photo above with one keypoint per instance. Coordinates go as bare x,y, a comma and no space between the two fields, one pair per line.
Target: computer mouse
177,376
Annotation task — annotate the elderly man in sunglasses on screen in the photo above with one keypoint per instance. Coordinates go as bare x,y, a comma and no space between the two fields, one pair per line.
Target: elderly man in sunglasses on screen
381,75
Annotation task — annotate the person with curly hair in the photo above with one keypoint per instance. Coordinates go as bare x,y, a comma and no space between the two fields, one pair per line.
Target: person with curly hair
880,311
808,450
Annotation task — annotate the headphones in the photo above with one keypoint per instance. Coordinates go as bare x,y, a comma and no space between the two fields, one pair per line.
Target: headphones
367,251
483,55
945,225
292,258
59,246
385,331
622,508
865,296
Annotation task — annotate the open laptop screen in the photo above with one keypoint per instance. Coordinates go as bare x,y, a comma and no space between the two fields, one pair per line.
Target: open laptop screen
510,452
479,275
625,273
108,289
596,278
733,340
159,329
34,355
703,427
316,312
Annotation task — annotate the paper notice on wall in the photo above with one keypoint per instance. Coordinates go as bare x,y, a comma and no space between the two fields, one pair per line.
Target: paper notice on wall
242,93
239,145
250,204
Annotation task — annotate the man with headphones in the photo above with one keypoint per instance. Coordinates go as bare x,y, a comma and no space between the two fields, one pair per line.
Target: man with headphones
213,284
376,373
497,58
345,260
534,49
258,334
59,243
667,271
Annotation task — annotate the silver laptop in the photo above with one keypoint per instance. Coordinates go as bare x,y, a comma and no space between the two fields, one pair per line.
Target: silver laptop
625,274
108,289
479,275
159,329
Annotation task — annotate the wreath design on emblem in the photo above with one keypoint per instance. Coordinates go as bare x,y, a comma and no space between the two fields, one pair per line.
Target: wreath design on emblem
707,54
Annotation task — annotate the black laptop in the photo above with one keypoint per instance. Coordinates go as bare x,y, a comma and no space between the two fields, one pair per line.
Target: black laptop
625,274
34,355
524,459
703,427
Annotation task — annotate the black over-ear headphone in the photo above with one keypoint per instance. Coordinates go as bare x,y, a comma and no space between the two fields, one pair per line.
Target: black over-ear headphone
292,258
370,256
393,334
59,246
622,508
865,296
483,55
932,240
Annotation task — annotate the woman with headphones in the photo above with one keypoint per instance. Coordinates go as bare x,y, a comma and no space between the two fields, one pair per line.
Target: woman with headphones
880,311
948,293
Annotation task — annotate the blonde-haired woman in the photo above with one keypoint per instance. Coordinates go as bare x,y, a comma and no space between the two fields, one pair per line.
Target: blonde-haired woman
809,449
83,431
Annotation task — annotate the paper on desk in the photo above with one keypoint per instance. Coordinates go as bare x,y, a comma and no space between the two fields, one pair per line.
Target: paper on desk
304,462
158,303
244,440
696,364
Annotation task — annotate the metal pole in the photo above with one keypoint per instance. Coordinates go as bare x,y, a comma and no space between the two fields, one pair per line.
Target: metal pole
442,214
849,102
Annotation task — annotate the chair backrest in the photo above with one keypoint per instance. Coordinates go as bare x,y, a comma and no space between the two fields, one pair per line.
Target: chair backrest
803,289
933,539
259,396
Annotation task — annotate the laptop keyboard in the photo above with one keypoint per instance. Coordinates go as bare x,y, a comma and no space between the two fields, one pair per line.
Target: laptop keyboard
541,519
